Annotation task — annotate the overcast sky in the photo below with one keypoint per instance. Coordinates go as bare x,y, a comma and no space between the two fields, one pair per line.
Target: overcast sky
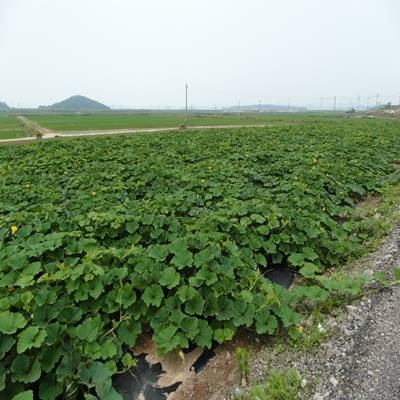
141,53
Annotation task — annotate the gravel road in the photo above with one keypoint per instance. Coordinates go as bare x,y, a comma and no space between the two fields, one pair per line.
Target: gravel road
33,127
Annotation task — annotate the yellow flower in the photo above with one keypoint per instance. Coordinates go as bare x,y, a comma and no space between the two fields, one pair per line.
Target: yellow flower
14,229
94,193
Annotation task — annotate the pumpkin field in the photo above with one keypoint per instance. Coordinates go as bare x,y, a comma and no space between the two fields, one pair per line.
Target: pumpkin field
169,235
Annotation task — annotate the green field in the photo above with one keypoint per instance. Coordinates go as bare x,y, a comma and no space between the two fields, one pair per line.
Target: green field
81,122
102,240
10,128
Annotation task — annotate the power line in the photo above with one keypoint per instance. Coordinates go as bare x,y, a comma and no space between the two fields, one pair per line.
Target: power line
186,98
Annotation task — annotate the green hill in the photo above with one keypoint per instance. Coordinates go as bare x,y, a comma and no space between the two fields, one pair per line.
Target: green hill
4,106
77,103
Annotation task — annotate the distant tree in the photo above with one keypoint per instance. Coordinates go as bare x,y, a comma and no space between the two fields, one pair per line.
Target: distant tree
388,106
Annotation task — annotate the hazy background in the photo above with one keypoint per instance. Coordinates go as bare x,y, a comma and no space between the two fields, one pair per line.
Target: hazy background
142,53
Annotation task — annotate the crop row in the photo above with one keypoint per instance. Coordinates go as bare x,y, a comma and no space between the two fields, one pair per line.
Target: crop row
102,240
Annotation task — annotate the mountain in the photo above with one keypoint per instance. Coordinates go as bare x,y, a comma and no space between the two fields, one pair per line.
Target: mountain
4,106
77,103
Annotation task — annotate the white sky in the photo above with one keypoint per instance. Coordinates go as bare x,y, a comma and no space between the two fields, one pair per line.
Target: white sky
140,53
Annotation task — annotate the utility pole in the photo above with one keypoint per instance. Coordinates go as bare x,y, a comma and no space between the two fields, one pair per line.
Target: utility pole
185,123
358,103
377,100
239,110
322,103
334,103
367,103
288,104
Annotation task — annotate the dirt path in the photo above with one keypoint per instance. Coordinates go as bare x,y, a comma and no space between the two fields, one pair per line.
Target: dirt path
34,129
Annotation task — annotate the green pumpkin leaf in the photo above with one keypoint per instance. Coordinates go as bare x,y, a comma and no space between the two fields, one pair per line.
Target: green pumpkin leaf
158,251
27,395
186,292
257,218
88,330
126,295
6,343
178,245
99,373
169,278
243,313
18,260
222,335
11,322
206,255
169,339
182,258
49,357
4,304
308,270
286,315
309,253
190,325
206,275
132,226
108,392
128,332
93,350
128,361
25,369
54,331
108,349
27,277
100,376
195,305
30,337
153,295
266,323
49,388
204,337
296,259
